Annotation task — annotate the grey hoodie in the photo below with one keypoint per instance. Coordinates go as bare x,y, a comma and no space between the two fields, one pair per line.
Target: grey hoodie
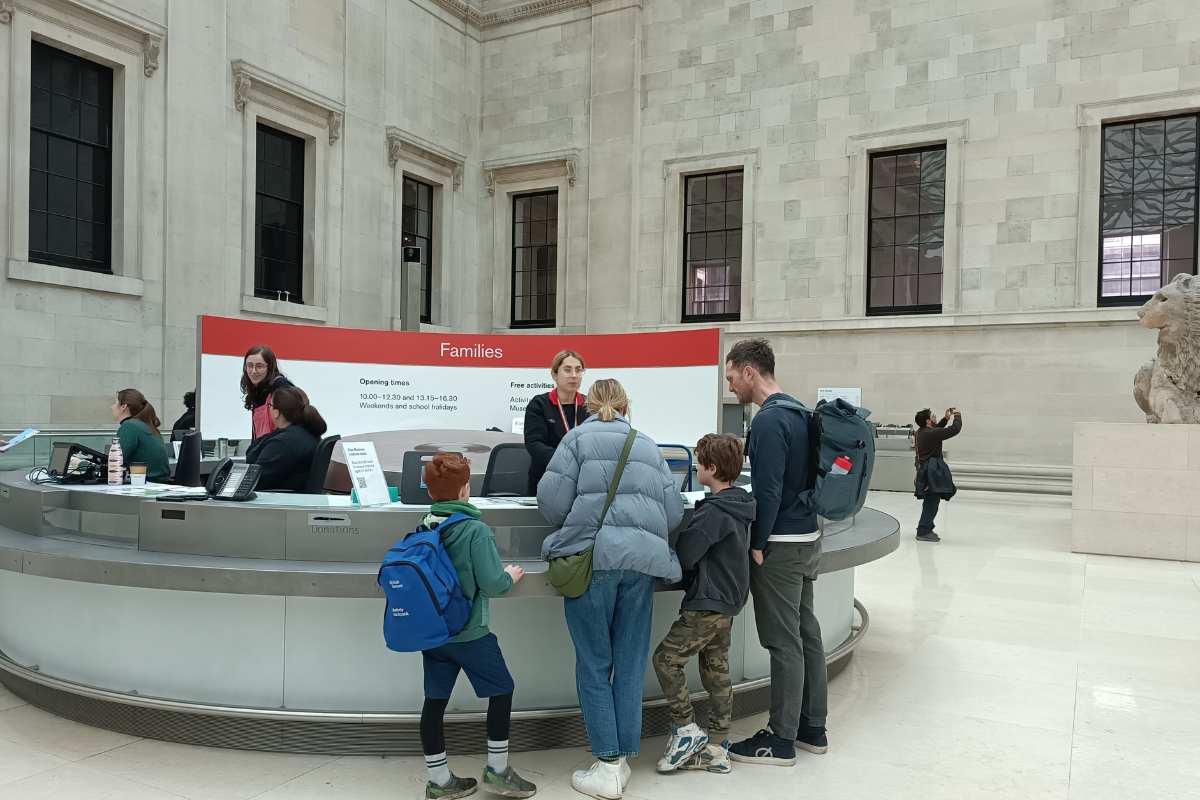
714,551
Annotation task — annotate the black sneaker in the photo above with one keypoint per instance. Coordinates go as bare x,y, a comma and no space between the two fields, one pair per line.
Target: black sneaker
812,739
928,536
764,747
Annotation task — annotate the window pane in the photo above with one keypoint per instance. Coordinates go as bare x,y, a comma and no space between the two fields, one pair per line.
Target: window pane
1149,138
716,245
733,244
933,198
39,112
906,260
537,208
883,202
733,186
1147,211
933,228
930,260
64,116
929,290
1179,241
1177,267
37,231
696,190
882,260
63,157
883,231
908,168
89,123
1117,212
881,292
1181,135
907,230
61,196
695,218
64,77
933,166
1179,207
1118,176
60,235
714,215
1117,248
716,188
905,291
37,190
1118,142
1181,170
883,173
733,214
908,199
696,248
1148,174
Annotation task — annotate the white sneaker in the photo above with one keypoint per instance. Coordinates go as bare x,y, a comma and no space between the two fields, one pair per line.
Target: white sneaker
602,781
684,743
626,773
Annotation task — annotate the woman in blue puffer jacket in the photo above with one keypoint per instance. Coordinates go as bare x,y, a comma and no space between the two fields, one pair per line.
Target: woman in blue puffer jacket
610,622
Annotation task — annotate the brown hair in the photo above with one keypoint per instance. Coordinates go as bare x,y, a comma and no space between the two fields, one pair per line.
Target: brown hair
755,353
140,408
722,452
607,398
292,403
445,476
562,356
255,395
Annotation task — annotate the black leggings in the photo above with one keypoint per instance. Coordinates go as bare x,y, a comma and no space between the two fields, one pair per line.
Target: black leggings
433,717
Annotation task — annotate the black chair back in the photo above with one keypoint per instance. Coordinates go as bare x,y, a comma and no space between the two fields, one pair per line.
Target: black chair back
507,471
320,465
178,434
187,466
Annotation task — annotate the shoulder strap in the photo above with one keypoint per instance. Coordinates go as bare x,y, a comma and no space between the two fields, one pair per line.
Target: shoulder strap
453,519
616,481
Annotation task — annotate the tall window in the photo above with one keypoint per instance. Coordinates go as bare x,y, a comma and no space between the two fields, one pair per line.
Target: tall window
417,229
712,247
279,216
1148,207
70,161
908,220
534,259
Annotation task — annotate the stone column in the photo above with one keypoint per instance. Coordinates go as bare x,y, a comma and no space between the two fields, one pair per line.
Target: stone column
615,122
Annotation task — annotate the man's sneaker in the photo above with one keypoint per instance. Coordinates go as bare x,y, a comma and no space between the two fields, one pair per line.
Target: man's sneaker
684,743
928,536
812,739
602,781
507,783
457,787
764,747
713,758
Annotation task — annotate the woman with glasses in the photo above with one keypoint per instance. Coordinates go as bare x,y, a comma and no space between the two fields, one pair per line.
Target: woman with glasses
549,417
260,378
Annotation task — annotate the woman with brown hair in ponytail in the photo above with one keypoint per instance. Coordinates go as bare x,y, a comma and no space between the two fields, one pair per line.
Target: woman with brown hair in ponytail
285,454
141,443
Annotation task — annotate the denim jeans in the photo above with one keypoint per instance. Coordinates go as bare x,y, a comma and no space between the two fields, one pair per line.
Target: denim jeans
610,626
929,509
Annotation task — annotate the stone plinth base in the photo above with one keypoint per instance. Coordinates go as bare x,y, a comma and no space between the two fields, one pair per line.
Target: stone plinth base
1136,490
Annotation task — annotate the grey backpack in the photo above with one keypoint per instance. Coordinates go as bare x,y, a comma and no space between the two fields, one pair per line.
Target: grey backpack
843,456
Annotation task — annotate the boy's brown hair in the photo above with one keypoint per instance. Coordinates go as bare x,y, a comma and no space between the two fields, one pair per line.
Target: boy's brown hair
722,452
445,476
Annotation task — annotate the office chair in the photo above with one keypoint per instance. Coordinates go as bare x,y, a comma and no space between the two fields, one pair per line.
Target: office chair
679,460
320,465
187,466
507,471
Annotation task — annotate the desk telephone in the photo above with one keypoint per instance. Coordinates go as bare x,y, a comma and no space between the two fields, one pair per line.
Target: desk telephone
233,481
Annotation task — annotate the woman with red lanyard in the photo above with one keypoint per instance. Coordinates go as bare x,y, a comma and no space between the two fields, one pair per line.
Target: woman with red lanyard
260,379
549,416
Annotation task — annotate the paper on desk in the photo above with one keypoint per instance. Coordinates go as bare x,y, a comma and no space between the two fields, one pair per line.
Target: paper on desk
20,437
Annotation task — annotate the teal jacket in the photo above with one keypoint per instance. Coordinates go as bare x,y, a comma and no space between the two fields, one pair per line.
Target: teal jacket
472,547
139,445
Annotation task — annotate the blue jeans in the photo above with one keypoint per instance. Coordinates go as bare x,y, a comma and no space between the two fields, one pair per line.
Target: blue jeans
610,626
929,509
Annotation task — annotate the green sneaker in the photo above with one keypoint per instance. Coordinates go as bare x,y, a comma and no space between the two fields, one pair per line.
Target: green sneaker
456,788
507,783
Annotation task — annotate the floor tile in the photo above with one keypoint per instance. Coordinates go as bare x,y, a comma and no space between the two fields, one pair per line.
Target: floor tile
17,763
46,733
77,782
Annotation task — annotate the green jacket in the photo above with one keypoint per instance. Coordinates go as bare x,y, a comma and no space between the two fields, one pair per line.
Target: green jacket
472,547
139,445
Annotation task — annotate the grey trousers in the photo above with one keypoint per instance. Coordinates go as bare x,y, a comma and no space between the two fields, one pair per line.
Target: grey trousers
788,629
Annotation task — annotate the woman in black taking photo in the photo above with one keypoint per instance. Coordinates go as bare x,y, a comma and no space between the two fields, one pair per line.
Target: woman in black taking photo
260,379
549,416
285,454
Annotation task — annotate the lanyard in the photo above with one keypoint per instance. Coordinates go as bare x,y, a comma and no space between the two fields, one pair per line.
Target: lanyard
563,414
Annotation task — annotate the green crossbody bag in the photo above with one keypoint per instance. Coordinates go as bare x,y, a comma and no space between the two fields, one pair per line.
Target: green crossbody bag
572,575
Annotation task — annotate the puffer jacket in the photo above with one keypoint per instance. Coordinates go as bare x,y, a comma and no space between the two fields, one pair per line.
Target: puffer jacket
646,509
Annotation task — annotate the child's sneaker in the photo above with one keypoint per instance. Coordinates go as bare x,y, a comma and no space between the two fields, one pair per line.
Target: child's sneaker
456,788
684,743
713,758
507,783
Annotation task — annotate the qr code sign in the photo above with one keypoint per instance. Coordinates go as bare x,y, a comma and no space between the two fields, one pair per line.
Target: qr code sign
362,482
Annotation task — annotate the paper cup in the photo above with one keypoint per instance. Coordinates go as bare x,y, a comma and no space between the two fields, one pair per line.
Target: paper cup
137,475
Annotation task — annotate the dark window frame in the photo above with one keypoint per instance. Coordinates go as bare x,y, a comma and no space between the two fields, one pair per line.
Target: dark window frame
915,308
54,144
1118,301
295,169
414,238
734,289
548,246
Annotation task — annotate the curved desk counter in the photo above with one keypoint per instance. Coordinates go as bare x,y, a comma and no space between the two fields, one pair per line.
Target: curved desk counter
258,625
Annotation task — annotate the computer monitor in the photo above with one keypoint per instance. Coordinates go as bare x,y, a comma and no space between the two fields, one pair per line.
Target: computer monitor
413,490
74,463
60,456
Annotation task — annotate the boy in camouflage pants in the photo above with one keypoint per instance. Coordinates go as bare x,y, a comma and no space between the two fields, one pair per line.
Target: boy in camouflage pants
713,549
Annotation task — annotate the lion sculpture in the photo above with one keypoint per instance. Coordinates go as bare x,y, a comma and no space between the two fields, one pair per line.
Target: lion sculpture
1168,388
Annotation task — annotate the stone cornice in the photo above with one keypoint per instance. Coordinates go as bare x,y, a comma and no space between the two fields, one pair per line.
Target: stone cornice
484,19
400,142
249,79
558,162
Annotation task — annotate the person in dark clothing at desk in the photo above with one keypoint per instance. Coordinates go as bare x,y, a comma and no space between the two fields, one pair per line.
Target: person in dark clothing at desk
187,421
141,443
549,416
929,438
285,454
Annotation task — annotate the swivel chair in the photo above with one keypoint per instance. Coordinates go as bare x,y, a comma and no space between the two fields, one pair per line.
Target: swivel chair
507,471
187,466
320,465
679,461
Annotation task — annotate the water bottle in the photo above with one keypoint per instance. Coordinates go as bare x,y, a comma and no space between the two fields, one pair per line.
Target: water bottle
116,465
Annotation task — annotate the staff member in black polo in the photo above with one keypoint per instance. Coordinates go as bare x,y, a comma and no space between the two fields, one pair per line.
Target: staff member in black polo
549,416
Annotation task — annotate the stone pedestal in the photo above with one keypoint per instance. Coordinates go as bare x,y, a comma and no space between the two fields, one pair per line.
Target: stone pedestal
1136,490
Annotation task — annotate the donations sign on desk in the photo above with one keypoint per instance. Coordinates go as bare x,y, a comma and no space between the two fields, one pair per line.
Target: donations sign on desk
366,380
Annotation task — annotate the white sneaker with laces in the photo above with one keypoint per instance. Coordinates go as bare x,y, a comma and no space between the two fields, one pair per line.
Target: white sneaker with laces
626,773
602,781
684,743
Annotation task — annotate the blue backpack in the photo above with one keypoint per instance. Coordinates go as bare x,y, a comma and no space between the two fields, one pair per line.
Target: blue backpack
426,606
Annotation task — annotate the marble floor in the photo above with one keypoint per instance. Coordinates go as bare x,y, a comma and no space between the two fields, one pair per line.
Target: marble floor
998,665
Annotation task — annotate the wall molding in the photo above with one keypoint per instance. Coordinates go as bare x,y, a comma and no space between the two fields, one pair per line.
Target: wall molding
253,82
523,168
468,13
400,142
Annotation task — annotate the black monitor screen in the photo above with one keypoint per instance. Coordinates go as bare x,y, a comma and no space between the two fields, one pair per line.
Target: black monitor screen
58,458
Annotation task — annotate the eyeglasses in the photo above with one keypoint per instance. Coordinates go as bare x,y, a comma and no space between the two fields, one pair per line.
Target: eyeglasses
256,368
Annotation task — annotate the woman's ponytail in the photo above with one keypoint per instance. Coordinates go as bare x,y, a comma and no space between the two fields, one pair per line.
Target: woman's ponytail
140,408
607,399
293,404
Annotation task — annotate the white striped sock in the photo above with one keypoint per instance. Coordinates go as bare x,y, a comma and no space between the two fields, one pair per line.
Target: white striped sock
498,755
439,768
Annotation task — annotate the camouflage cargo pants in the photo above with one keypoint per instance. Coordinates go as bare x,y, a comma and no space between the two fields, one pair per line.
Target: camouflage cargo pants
705,633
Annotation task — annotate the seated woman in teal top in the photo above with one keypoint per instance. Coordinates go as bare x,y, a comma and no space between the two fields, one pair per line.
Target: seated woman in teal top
141,443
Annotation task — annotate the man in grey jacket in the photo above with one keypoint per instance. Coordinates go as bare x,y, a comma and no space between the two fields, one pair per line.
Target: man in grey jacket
785,546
